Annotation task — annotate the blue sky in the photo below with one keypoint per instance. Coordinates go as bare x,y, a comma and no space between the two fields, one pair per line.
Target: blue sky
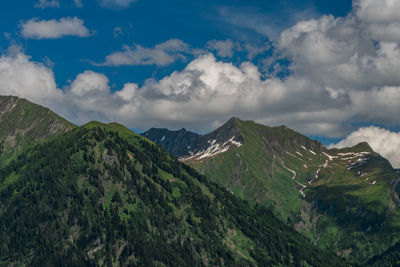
146,23
328,69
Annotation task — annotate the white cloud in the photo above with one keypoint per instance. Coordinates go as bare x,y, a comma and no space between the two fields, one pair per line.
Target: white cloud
161,54
207,92
116,4
89,82
22,77
128,92
223,48
377,11
348,57
383,141
380,18
51,29
89,97
47,3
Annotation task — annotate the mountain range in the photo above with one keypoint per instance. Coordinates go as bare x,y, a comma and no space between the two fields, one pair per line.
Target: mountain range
344,200
243,195
99,194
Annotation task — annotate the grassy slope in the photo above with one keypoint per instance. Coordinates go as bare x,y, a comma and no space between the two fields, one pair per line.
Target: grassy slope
358,207
252,173
101,194
23,123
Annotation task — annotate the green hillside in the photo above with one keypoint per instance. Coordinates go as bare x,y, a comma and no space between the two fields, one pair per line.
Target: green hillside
102,195
23,123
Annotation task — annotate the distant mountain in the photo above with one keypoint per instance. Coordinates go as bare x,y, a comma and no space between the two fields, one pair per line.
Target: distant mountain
346,200
23,122
103,195
176,142
188,145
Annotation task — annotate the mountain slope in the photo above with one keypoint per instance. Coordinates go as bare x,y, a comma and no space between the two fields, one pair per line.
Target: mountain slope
345,200
102,195
253,165
23,122
176,142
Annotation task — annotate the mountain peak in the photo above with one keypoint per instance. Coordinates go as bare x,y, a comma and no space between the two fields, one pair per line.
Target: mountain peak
22,122
234,119
231,124
363,146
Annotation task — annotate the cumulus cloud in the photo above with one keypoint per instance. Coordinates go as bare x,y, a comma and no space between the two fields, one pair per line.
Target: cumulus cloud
161,54
22,77
89,82
346,58
51,29
383,141
47,3
202,96
116,4
377,11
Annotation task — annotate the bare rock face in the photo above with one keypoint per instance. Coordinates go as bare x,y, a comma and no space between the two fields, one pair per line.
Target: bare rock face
23,122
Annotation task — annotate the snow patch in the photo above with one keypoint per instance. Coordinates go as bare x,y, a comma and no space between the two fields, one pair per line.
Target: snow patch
345,154
292,171
213,149
302,189
316,176
329,156
325,164
317,173
294,156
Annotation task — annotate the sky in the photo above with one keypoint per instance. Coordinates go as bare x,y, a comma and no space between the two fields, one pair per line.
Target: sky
327,69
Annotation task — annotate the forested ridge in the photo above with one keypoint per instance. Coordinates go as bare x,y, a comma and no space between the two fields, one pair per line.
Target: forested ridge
102,195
